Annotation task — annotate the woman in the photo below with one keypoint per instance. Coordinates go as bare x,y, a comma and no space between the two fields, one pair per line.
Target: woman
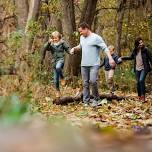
142,60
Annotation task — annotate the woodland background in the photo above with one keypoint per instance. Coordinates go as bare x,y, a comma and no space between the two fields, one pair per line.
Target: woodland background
27,87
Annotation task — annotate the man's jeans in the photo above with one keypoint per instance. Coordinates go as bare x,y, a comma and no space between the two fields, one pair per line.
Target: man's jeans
90,77
58,73
140,77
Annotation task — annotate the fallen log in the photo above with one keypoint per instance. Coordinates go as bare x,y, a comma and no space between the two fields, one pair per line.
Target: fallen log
78,98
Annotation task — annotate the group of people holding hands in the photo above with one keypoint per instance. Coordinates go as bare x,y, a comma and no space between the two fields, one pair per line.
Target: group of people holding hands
90,46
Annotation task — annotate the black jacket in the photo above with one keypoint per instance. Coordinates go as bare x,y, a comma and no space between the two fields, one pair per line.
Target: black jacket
146,57
106,64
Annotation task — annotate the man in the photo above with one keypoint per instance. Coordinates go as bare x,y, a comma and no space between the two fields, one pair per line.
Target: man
90,44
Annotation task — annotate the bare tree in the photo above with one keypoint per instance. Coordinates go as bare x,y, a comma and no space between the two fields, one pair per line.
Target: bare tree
22,9
69,26
120,13
34,6
89,11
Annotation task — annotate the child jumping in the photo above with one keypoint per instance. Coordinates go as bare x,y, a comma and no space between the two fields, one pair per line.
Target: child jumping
57,46
109,71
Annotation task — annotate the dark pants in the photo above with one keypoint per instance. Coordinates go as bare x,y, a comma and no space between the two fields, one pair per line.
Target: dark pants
90,77
140,78
58,73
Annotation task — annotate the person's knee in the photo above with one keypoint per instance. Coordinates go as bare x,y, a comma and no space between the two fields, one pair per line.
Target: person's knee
86,84
141,81
93,82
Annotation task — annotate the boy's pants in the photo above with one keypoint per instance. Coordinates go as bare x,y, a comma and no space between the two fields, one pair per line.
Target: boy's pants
109,79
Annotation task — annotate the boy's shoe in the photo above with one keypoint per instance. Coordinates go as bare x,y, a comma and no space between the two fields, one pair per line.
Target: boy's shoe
63,82
58,94
111,94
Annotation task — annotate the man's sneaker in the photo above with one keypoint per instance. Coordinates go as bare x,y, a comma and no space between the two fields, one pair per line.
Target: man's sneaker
63,82
94,103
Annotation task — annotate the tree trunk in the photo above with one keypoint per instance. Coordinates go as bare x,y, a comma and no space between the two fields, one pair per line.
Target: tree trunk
22,8
120,13
34,6
72,62
89,11
56,23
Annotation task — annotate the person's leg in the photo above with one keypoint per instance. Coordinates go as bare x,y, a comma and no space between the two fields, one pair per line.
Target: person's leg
110,80
138,83
59,67
106,76
93,81
56,82
142,84
85,72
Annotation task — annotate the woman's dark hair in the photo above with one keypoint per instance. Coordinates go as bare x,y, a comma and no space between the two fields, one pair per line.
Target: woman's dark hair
84,25
136,44
137,41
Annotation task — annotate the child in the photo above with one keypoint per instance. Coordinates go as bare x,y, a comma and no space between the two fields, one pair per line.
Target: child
109,71
57,46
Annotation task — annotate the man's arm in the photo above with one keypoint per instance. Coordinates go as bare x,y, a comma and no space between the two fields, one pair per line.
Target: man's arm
111,61
100,43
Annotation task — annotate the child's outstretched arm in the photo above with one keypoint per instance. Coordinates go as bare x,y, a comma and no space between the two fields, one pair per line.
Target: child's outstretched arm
117,59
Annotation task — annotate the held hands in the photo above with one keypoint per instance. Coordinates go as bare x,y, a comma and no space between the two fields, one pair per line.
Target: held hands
120,60
112,62
72,51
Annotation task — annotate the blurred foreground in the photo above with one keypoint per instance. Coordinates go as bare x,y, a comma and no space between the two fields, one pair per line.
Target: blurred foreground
22,131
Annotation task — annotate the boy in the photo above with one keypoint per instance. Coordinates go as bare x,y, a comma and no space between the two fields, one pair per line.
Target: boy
109,71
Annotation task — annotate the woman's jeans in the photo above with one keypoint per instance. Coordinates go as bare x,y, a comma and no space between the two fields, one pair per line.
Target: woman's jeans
90,77
58,73
140,78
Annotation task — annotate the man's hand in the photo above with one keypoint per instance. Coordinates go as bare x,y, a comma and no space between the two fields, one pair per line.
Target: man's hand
72,51
112,62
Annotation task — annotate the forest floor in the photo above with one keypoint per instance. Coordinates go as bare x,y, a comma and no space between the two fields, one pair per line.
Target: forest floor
129,117
123,114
